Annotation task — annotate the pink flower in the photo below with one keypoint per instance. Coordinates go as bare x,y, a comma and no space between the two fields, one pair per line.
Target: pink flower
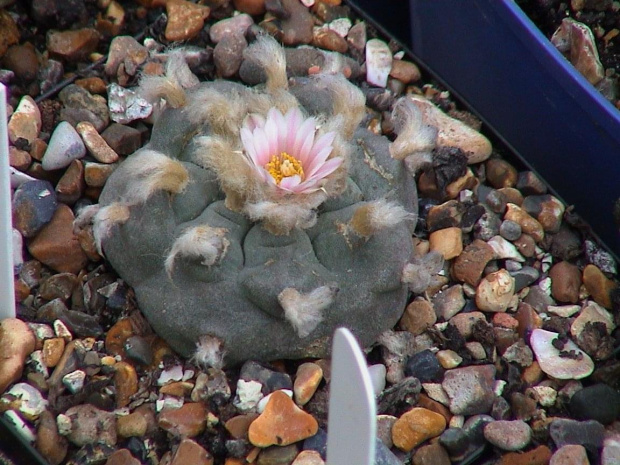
285,151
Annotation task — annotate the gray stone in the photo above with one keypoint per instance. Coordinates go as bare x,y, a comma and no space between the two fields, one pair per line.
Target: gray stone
470,389
589,434
80,105
237,300
34,204
65,146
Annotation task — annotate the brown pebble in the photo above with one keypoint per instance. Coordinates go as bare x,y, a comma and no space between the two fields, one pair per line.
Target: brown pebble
598,285
177,389
570,454
23,61
19,159
190,420
122,457
71,185
49,442
447,241
94,85
9,33
297,28
418,317
251,7
465,322
239,425
72,45
185,19
125,382
500,173
277,455
533,374
565,282
426,402
133,425
124,140
307,380
57,246
281,423
52,351
17,341
432,454
528,224
470,264
96,145
329,40
416,426
467,181
37,149
526,245
405,71
528,319
96,174
117,335
190,452
539,456
228,54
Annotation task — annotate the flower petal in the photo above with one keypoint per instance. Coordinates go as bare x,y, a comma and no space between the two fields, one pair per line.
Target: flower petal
293,121
305,133
326,168
290,183
318,161
321,142
261,145
248,144
253,121
271,131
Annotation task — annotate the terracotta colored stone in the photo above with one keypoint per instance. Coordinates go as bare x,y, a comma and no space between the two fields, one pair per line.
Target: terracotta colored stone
49,442
598,285
52,351
95,144
526,245
73,45
533,374
539,456
447,241
418,317
188,421
329,40
185,19
238,426
281,423
133,425
19,159
117,335
17,341
416,426
405,71
432,454
177,389
57,246
71,185
96,174
469,265
251,7
25,122
37,149
94,85
277,455
467,181
307,380
565,282
190,452
426,402
125,382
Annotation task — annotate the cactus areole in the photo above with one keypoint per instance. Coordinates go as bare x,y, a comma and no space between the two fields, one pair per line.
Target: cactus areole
258,220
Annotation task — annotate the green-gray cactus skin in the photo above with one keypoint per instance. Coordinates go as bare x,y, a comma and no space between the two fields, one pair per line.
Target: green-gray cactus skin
236,300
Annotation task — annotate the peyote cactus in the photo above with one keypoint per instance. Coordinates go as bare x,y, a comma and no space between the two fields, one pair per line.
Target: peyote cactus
258,220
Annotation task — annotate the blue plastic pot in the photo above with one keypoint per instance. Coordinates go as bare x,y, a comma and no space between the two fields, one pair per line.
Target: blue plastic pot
493,58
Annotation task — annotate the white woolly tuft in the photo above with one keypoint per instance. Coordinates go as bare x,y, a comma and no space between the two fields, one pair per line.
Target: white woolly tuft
348,102
104,219
305,311
281,218
154,171
385,215
203,242
415,139
154,88
210,352
269,55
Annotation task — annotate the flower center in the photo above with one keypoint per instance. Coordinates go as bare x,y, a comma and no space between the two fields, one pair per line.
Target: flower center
283,166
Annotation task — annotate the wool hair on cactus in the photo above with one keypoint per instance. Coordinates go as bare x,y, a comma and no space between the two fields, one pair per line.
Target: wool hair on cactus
259,219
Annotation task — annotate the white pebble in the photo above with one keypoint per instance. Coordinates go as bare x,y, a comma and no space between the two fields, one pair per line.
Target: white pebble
31,401
577,366
169,402
64,424
504,249
565,311
65,146
126,106
74,381
378,62
174,373
62,331
248,395
340,26
18,178
35,360
18,245
377,377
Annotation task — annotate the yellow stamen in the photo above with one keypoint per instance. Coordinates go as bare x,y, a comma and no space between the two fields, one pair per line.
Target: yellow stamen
283,166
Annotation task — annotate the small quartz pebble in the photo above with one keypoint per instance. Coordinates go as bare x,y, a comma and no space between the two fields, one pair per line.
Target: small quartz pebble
95,144
495,291
416,426
564,311
470,389
190,420
25,122
26,399
504,249
125,105
508,435
74,381
249,394
378,62
174,373
575,364
307,380
308,457
281,423
64,146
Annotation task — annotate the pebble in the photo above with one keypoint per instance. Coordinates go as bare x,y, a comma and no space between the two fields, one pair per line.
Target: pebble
133,425
236,25
500,173
74,381
416,426
57,246
26,399
592,313
96,174
495,291
565,282
90,425
470,264
431,454
297,24
23,61
124,140
9,33
71,185
25,122
228,54
524,277
611,451
465,322
80,105
277,455
598,402
251,7
185,19
125,51
260,408
419,315
470,389
577,366
529,225
564,311
125,382
589,434
447,241
17,342
72,45
309,376
377,374
93,85
64,146
598,285
211,385
190,420
508,435
449,359
19,426
329,40
191,452
122,457
405,71
19,159
519,353
308,457
270,380
425,367
282,423
50,74
570,455
503,249
96,145
126,106
34,204
538,456
547,209
49,442
249,394
378,62
449,302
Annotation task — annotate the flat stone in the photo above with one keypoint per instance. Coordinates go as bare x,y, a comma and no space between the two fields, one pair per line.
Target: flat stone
592,313
34,204
309,376
419,315
281,423
508,435
495,291
565,282
598,285
96,145
470,264
52,351
25,122
19,159
90,425
470,389
277,455
378,62
64,146
93,85
191,452
188,421
447,241
185,19
416,426
57,246
575,365
505,250
23,61
17,342
133,425
73,45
